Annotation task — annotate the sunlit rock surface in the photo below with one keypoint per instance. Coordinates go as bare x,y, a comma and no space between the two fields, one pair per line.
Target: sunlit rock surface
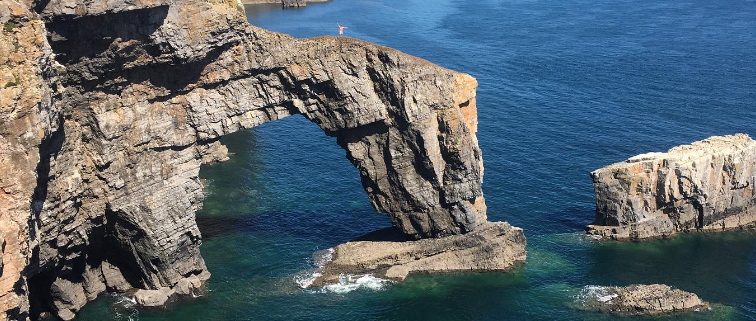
108,109
640,299
705,186
494,247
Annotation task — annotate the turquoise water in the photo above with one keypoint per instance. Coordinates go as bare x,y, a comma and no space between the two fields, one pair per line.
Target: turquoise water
566,87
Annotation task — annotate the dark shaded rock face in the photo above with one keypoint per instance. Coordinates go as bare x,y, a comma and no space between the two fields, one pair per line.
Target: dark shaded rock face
109,108
706,186
294,3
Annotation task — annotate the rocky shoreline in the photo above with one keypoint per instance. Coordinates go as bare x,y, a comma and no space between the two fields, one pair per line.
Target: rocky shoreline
654,299
706,186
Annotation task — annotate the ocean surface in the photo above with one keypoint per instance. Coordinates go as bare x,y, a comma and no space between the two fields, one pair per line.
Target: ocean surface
566,87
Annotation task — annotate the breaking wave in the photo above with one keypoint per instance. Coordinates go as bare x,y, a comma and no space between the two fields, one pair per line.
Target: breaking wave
347,282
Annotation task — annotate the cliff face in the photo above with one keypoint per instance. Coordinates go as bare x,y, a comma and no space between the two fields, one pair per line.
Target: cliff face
28,119
706,186
114,105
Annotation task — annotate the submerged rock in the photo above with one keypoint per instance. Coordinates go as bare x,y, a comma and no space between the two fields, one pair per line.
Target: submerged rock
640,299
705,186
495,247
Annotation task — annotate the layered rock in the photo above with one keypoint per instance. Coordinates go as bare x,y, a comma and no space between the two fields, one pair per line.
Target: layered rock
637,299
28,119
113,106
705,186
493,247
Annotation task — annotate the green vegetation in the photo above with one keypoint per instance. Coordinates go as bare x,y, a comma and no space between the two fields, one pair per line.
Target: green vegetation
9,26
12,83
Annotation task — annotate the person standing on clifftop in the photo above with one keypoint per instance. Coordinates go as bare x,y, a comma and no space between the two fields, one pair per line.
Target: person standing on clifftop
341,29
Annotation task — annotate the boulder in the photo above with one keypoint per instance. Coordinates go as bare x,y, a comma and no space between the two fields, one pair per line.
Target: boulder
68,298
153,298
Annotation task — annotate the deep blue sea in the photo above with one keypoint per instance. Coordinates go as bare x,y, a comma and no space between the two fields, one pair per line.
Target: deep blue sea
566,87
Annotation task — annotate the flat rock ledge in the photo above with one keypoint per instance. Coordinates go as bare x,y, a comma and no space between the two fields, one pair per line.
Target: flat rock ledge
497,246
706,186
637,299
189,286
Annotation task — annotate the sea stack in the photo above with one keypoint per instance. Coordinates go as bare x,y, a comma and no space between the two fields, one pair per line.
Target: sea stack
705,186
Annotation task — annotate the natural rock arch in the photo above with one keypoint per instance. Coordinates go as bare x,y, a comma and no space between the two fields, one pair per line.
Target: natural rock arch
139,96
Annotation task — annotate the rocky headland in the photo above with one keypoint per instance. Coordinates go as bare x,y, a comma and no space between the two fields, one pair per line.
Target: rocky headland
637,299
705,186
108,109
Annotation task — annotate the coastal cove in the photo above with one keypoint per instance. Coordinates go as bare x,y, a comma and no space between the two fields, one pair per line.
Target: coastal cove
565,88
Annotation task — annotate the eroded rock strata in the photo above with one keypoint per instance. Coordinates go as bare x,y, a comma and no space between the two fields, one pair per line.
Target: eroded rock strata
109,108
496,246
640,299
705,186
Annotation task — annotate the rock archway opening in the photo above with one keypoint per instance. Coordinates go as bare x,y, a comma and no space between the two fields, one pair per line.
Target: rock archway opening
286,178
144,93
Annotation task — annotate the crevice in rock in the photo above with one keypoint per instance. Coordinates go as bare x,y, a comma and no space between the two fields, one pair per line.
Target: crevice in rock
121,236
48,150
39,294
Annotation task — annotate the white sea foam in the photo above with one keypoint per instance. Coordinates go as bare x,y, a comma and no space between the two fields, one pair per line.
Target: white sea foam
305,278
319,259
592,294
125,301
606,298
348,283
125,308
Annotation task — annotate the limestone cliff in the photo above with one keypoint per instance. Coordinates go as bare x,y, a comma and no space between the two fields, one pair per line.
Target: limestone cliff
109,108
706,186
